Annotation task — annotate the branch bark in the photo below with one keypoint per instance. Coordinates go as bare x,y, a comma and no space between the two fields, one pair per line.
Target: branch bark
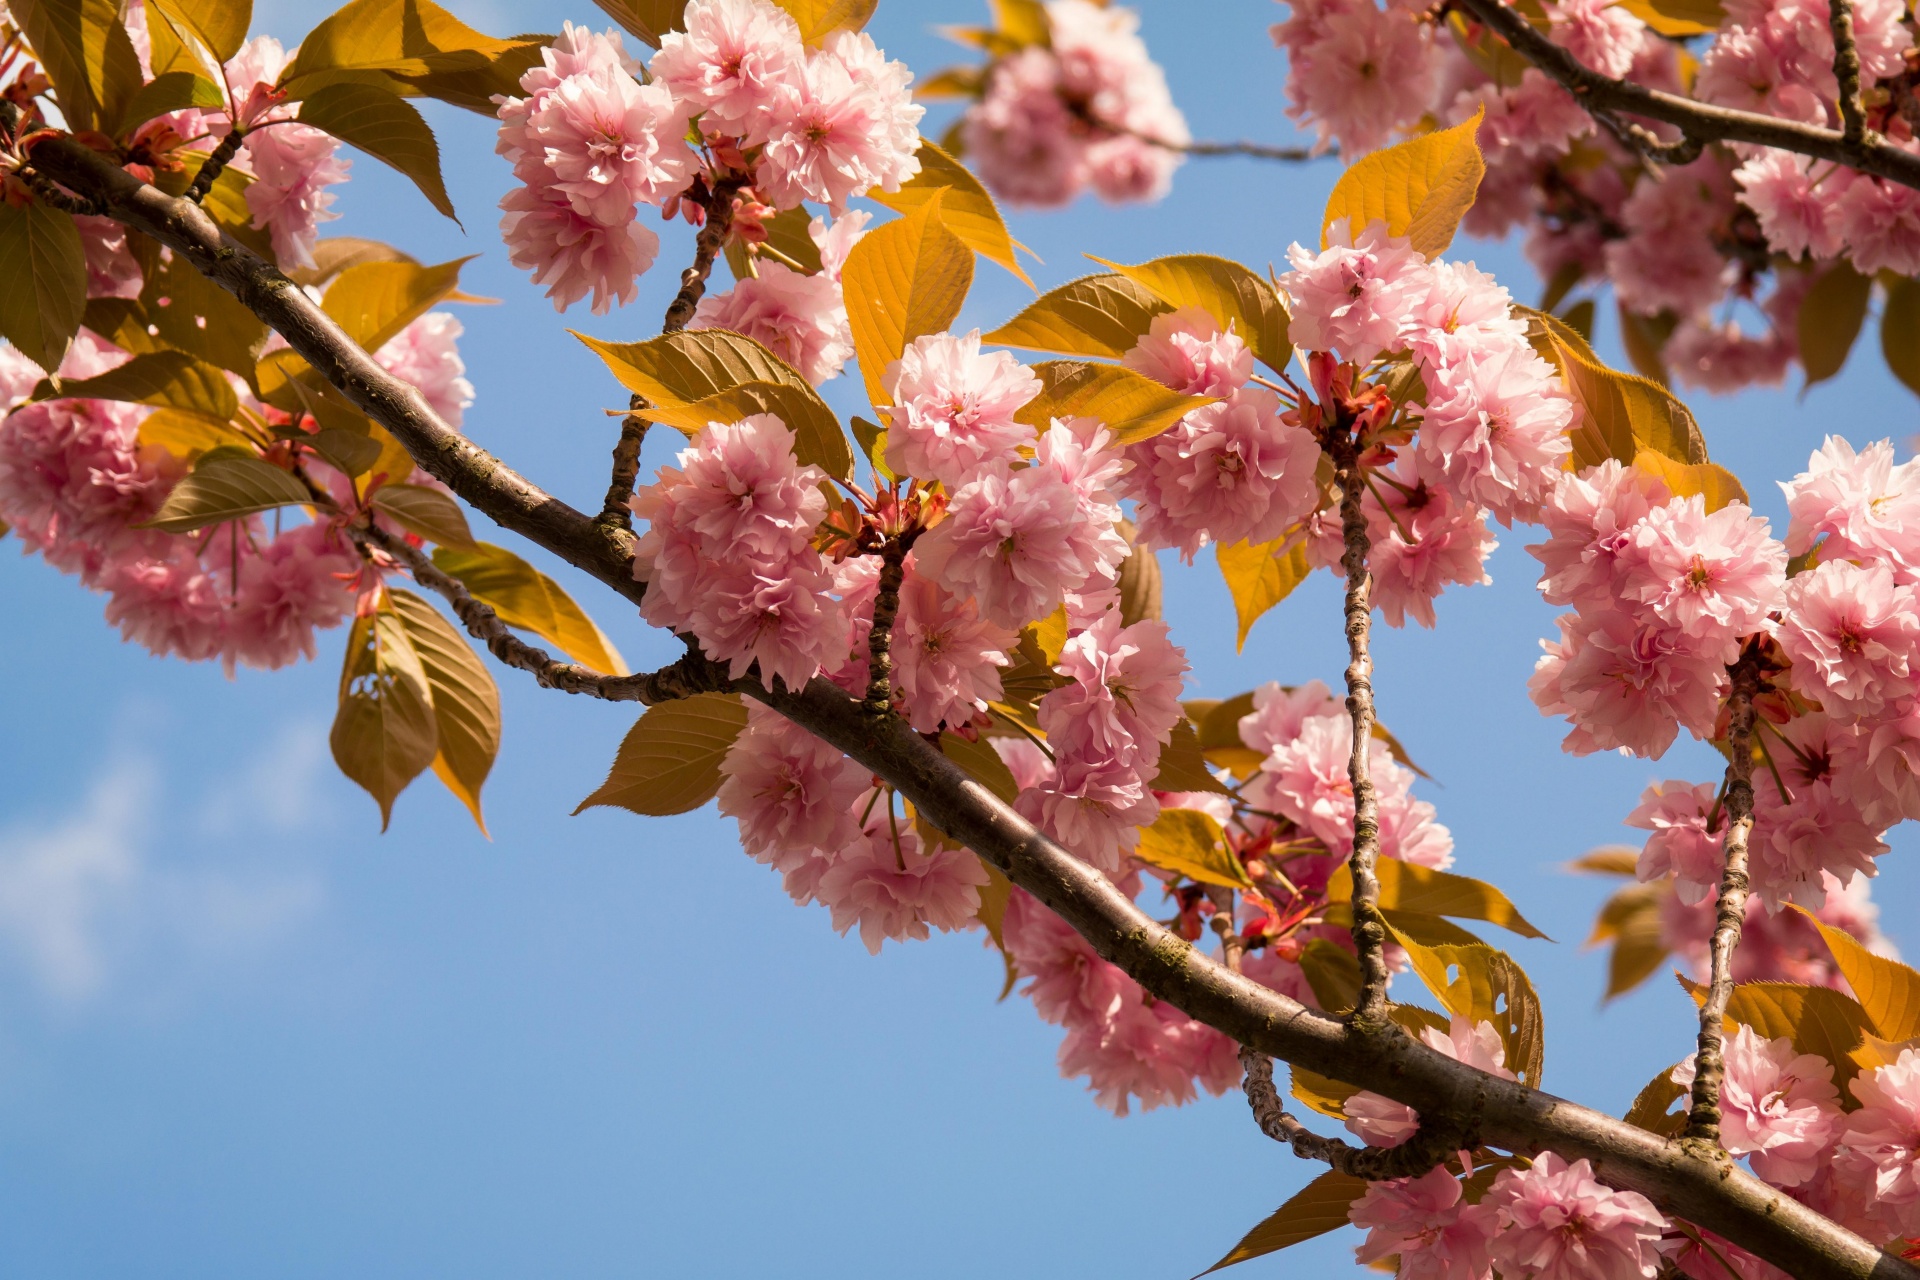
1701,122
1717,1196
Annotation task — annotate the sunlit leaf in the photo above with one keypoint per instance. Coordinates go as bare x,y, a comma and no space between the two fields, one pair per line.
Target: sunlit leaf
789,235
427,511
1613,860
45,270
386,127
1715,485
373,301
950,82
1235,297
226,487
1621,413
83,47
1183,767
669,761
415,42
1132,406
526,598
466,701
195,315
818,438
1192,844
819,19
1678,17
1888,990
966,208
1631,921
220,25
1140,582
1103,315
174,91
1818,1020
900,281
1333,972
1652,1107
1259,576
1481,984
187,435
335,254
1406,886
165,379
1420,188
383,733
1317,1208
683,368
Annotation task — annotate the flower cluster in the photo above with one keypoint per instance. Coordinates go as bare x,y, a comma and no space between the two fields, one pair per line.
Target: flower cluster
1085,106
777,123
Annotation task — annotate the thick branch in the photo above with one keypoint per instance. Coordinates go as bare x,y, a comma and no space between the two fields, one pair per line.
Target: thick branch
1700,121
1730,911
1369,926
1721,1198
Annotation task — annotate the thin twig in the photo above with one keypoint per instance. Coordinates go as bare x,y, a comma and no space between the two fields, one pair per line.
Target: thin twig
706,247
1846,70
43,187
886,607
1258,150
1730,911
216,164
1428,1147
626,466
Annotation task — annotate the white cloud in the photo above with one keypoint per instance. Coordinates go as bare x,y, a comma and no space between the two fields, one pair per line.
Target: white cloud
86,902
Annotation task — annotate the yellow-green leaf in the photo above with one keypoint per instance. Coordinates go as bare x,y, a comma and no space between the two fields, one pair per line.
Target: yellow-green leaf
966,208
466,701
1818,1020
526,598
1888,990
1333,972
669,761
646,20
1183,766
1191,843
174,91
819,19
187,435
220,25
84,49
195,315
226,487
1621,413
335,254
1259,576
900,281
1235,297
45,270
383,733
427,511
1133,406
165,379
1103,315
818,438
1317,1208
1630,920
386,127
1420,188
982,763
1651,1109
682,368
1489,987
373,301
789,236
1900,332
1830,318
1678,17
406,38
1405,886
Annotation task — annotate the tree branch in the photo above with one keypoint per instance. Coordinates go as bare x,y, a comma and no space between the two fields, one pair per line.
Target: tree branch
1719,1197
1730,912
214,165
706,247
1426,1149
1846,71
626,466
886,607
1258,150
1700,122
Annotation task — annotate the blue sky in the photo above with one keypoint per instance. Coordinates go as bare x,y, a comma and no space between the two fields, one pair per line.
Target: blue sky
243,1034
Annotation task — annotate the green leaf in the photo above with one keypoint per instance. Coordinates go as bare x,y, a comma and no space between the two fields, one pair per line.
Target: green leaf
819,19
1420,188
1818,1020
1678,17
174,91
1715,485
197,316
1887,990
645,20
1317,1208
669,761
1183,767
1405,886
789,234
1192,844
1235,297
227,487
84,49
188,435
982,763
1133,406
45,269
1481,984
1830,318
1103,315
466,701
965,207
164,379
526,598
220,25
683,368
429,512
900,281
818,438
383,733
373,301
1259,576
386,127
414,40
1900,332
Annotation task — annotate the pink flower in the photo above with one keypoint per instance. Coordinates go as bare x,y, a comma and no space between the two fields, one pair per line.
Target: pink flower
1356,73
574,256
791,793
1714,577
843,126
953,407
1228,472
800,318
1777,1107
1558,1222
1495,427
1020,135
1797,215
425,354
1880,225
1854,637
1816,827
1777,946
1187,350
731,63
1868,508
738,494
1352,297
1668,259
162,600
1279,713
1681,845
1431,539
1094,806
294,585
892,886
1590,520
1465,315
1722,357
1124,699
1879,1147
1424,1223
607,143
779,616
946,659
112,271
1025,761
1599,34
1623,684
292,167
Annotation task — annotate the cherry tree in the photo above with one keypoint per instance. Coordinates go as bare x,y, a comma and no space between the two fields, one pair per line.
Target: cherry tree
925,670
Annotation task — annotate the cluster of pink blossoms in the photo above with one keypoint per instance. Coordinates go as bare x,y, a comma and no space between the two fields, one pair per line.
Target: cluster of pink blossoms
777,124
1086,107
1741,223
